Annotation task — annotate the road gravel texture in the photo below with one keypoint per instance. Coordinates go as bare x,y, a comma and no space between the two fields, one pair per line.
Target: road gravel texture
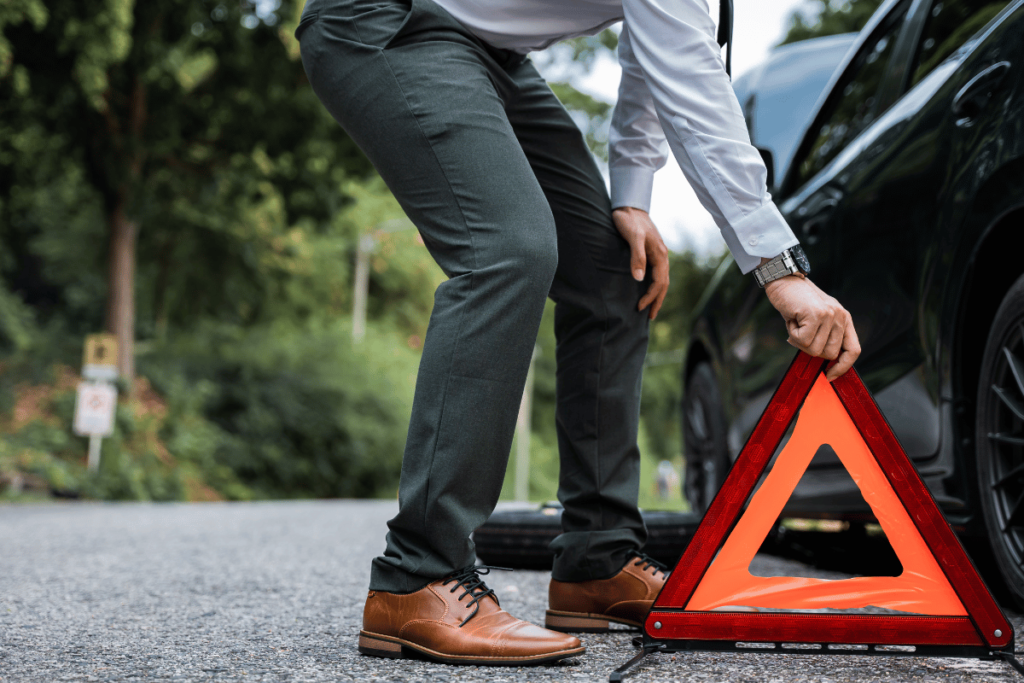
274,592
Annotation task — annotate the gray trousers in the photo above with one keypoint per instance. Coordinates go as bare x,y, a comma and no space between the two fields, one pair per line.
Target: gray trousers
500,184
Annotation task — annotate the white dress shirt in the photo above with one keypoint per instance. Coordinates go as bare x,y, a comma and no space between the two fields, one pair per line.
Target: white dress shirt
674,94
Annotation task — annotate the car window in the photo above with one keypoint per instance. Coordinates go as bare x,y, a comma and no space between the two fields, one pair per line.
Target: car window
855,106
950,23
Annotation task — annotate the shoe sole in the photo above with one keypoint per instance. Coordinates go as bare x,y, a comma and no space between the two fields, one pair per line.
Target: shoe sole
582,622
377,645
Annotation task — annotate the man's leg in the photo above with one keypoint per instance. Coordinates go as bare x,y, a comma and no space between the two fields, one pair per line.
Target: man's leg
602,342
428,110
598,575
426,104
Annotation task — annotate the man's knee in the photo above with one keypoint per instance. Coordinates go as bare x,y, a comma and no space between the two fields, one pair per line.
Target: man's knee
539,259
530,253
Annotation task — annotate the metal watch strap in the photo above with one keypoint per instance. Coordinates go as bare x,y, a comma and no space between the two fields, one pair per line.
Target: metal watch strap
782,265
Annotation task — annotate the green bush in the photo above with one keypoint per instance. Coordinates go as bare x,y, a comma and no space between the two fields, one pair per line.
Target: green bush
278,411
46,457
296,410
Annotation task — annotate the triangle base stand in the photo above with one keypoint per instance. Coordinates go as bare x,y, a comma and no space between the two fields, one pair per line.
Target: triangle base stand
648,646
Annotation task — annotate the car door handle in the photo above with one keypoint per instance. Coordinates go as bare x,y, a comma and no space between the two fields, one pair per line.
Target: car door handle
977,93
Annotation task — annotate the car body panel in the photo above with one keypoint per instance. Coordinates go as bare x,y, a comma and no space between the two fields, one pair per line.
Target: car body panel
777,95
891,226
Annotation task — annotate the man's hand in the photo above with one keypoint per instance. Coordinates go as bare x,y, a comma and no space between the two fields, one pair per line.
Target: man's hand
816,322
645,244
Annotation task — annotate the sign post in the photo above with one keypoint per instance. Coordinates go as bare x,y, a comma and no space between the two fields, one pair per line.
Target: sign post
97,396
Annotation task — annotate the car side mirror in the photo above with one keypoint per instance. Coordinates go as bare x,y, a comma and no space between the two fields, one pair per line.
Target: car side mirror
769,162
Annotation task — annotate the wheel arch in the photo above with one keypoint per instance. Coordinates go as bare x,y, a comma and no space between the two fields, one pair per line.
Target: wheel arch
999,257
991,268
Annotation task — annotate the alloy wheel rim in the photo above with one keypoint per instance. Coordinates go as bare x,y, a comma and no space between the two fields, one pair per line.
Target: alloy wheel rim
1005,436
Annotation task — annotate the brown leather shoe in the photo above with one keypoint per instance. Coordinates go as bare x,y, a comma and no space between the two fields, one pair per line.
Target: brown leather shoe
589,606
437,622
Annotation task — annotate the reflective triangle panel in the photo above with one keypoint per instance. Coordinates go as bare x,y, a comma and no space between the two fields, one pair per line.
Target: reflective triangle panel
712,595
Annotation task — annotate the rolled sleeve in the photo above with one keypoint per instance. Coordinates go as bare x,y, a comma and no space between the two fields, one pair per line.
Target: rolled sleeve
673,42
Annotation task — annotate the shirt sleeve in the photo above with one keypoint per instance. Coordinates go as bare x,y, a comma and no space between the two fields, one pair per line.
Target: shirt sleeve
636,141
669,47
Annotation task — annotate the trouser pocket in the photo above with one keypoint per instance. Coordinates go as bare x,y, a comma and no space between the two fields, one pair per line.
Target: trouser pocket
304,23
371,23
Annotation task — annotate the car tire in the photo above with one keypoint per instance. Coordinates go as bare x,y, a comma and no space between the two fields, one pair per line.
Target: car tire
999,431
704,439
519,539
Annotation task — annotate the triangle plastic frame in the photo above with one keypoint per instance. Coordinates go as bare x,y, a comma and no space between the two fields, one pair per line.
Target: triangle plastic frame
984,633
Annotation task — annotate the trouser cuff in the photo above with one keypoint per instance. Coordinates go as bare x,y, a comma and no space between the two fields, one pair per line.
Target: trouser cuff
386,577
592,555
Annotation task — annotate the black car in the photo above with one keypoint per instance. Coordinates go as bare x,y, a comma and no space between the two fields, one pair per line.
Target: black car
906,190
778,96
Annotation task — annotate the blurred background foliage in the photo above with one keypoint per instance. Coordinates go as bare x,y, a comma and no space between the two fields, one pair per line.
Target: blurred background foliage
183,134
829,17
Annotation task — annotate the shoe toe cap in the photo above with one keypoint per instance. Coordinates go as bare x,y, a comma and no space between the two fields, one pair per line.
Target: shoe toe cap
531,639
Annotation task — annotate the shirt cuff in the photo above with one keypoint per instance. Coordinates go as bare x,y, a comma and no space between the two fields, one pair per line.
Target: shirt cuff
761,233
631,186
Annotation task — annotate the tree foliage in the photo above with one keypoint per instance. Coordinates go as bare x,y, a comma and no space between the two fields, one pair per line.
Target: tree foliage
187,128
193,121
578,57
829,17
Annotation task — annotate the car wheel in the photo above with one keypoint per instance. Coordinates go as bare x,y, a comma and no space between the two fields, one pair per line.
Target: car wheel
1000,439
704,444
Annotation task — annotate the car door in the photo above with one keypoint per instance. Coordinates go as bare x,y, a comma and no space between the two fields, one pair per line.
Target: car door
897,186
758,349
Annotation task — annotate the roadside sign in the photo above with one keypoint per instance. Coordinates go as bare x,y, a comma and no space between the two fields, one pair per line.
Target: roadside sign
99,360
712,602
94,409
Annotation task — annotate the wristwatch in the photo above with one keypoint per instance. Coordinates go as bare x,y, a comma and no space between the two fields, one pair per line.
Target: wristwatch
789,262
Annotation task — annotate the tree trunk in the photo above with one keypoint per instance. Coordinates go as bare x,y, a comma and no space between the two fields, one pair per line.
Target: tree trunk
123,236
121,290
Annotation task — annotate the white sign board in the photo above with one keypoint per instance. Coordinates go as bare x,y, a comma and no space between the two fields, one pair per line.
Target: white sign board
94,410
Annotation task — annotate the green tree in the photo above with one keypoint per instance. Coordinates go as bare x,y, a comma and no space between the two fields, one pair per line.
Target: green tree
174,150
176,136
577,57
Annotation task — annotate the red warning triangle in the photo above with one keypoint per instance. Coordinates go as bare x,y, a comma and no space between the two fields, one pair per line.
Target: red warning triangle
921,588
711,595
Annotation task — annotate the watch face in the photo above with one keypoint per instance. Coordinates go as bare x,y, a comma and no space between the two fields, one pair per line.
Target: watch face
801,259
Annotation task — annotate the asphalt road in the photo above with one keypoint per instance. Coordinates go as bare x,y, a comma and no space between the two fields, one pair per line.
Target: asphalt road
274,592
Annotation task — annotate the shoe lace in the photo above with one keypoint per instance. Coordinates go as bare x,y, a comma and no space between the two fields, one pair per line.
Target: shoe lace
471,583
649,562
